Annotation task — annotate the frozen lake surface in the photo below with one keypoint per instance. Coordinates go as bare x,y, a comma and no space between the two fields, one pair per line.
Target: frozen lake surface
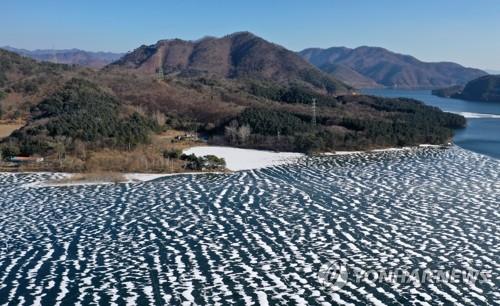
257,236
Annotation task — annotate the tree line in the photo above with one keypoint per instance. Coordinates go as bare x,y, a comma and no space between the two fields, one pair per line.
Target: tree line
400,122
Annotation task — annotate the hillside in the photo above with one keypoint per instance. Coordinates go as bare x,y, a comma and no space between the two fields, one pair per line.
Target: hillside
70,57
486,88
349,76
389,69
24,82
14,67
238,56
81,111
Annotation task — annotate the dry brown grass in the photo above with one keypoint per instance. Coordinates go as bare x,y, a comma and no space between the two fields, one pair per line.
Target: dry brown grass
139,160
7,128
143,159
171,134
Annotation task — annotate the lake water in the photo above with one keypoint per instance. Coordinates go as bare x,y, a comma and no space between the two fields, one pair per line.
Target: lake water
260,237
482,134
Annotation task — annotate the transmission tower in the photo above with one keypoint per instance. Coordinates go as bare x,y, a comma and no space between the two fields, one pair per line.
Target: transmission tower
161,75
313,112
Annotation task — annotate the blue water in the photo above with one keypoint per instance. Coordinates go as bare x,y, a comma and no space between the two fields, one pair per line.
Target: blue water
482,135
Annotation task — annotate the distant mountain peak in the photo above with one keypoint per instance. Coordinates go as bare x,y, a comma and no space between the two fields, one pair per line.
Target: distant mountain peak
243,34
69,56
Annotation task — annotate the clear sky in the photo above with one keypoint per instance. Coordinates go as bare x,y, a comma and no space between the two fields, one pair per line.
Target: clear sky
464,31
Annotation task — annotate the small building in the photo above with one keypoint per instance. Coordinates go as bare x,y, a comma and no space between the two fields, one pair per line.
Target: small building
186,137
26,159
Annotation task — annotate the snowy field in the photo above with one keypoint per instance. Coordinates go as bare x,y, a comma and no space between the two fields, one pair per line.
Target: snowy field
258,236
246,159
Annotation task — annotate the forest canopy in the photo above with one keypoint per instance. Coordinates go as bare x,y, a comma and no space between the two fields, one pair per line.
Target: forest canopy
399,122
81,111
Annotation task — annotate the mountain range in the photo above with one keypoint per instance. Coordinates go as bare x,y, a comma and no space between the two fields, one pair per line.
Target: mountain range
363,67
378,67
70,56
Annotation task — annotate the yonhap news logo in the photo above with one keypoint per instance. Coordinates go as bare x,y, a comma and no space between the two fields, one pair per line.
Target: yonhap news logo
333,276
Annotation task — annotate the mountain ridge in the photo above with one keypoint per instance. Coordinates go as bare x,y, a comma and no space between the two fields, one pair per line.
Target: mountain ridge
74,56
241,55
390,69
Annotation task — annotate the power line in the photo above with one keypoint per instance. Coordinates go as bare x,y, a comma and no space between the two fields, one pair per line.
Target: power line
161,75
313,112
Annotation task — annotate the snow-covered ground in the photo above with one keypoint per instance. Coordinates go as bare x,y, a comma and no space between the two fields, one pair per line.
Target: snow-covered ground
246,159
128,178
64,179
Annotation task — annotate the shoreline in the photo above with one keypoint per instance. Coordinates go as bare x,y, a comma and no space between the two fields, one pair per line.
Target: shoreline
128,178
472,115
237,159
394,149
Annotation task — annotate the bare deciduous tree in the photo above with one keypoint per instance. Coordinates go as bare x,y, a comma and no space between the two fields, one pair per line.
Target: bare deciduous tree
139,109
231,131
80,149
61,151
243,133
159,118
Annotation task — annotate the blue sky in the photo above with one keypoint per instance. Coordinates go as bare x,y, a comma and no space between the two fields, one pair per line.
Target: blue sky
465,31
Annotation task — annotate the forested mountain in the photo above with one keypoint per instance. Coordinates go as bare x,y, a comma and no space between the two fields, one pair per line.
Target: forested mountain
70,56
389,69
237,56
486,88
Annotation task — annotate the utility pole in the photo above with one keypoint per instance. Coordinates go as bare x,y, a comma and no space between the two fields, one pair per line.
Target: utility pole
314,112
